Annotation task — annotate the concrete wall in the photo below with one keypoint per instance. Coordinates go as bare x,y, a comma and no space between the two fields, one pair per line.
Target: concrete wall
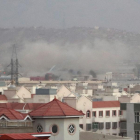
71,101
67,135
135,98
41,98
130,120
124,99
109,98
96,136
2,89
84,104
9,93
62,92
23,93
16,130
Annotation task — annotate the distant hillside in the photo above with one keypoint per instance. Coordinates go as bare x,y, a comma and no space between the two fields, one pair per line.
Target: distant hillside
71,35
81,49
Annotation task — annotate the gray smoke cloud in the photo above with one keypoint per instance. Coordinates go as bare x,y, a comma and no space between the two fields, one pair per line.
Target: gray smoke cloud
79,49
38,57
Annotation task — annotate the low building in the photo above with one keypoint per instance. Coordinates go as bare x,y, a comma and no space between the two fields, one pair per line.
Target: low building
12,121
106,117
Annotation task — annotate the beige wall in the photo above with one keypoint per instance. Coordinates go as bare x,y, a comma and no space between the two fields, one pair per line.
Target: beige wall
84,104
135,98
23,93
124,99
62,125
9,93
63,92
71,101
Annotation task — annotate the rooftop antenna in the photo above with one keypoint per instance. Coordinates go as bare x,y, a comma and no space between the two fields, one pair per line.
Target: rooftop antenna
14,66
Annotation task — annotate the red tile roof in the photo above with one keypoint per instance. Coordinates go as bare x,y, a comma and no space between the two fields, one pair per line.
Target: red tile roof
11,114
55,108
20,106
3,97
105,104
25,136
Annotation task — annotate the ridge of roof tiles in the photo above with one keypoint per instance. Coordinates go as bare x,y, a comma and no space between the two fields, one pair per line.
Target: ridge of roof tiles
55,108
105,104
11,114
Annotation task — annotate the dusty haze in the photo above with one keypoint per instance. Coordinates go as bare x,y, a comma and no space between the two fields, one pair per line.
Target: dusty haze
80,49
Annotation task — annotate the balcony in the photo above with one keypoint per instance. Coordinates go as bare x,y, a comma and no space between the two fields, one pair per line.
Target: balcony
5,124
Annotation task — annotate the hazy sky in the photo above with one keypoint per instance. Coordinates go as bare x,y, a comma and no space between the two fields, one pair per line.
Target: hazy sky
119,14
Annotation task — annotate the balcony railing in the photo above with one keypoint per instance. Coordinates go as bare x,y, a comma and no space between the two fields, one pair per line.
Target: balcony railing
5,124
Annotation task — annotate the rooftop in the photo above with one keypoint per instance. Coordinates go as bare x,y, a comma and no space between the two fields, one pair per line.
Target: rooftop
3,97
11,114
25,136
104,104
21,106
55,108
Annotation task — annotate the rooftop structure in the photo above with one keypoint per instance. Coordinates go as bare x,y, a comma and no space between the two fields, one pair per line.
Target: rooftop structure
55,108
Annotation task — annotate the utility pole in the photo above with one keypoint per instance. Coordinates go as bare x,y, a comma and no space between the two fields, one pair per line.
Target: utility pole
14,66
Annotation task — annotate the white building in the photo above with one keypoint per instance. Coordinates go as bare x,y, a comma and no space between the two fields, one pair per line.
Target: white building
106,117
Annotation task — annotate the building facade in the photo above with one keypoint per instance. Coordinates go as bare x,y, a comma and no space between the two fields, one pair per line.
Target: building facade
106,117
130,120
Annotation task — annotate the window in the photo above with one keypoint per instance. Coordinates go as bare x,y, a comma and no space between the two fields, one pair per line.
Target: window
94,113
81,126
107,125
88,114
123,125
120,112
39,128
54,129
113,112
95,125
114,125
137,117
71,129
107,113
100,113
137,135
88,127
101,126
